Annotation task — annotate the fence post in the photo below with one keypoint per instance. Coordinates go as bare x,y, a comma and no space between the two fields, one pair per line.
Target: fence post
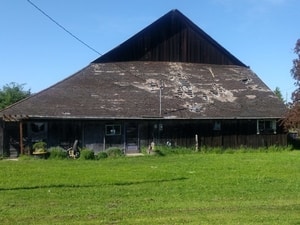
196,140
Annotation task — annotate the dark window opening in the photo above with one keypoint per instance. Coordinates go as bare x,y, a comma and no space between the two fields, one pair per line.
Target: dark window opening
266,127
217,126
113,130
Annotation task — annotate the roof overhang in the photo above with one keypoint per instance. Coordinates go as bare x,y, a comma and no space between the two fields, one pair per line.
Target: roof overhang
16,118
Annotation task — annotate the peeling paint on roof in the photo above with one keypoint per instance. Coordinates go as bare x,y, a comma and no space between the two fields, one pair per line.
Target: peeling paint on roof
251,96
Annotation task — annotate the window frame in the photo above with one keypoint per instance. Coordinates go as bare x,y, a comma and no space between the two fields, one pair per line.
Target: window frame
217,126
266,126
110,127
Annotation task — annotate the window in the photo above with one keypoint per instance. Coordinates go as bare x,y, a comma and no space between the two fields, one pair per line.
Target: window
113,129
37,127
37,131
266,126
217,126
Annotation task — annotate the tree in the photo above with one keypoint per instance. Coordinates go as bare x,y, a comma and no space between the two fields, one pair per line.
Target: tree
295,71
292,118
277,92
12,93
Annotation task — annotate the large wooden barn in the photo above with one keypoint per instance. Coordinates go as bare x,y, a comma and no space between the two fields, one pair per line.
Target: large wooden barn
168,83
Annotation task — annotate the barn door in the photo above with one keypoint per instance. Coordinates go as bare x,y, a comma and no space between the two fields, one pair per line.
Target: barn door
132,138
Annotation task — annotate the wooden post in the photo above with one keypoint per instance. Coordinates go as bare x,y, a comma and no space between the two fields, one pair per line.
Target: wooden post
104,145
152,146
21,138
124,138
197,144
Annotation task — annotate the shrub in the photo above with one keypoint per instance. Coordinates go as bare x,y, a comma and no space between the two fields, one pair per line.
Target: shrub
57,153
114,152
87,154
5,154
40,146
102,155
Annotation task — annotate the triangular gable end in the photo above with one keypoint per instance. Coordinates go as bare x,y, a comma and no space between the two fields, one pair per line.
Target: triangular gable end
171,38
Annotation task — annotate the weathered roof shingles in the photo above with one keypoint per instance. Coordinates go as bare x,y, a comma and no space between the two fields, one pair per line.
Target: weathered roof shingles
197,91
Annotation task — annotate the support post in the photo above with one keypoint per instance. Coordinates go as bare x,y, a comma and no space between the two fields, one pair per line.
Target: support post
104,144
160,101
124,138
197,143
21,138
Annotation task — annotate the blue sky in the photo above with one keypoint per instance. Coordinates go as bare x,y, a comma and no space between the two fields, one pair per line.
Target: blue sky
36,52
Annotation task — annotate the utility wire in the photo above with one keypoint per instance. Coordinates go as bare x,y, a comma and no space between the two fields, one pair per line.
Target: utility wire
62,27
78,39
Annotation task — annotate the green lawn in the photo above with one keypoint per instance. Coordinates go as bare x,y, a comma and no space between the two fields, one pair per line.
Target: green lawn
240,188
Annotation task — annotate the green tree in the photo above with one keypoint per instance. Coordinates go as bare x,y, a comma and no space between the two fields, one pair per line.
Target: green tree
277,92
12,93
295,72
292,118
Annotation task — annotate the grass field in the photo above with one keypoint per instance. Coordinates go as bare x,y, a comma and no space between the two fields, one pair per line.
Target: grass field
240,188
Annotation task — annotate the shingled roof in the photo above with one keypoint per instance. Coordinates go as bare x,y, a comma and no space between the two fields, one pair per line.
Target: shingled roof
163,71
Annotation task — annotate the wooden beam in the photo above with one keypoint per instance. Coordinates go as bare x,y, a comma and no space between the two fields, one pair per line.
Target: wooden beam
21,138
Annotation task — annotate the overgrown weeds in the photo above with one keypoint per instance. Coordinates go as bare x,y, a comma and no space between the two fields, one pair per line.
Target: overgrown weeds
57,153
114,152
166,150
87,154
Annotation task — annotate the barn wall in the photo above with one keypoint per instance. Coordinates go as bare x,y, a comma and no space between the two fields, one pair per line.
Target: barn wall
134,134
1,138
232,133
11,139
93,136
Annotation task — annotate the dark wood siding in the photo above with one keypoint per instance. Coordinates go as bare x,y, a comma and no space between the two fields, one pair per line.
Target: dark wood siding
134,134
232,134
1,137
172,38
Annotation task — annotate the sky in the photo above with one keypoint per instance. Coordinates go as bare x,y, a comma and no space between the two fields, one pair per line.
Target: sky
37,53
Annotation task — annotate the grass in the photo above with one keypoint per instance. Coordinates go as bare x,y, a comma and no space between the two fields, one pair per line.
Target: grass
240,188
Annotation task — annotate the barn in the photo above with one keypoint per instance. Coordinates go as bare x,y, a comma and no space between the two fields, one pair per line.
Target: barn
170,83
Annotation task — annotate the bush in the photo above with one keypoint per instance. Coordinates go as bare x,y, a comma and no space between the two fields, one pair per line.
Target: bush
40,146
114,152
87,154
102,155
57,153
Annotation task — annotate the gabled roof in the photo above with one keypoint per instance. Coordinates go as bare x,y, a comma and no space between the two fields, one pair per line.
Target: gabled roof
172,38
189,91
197,79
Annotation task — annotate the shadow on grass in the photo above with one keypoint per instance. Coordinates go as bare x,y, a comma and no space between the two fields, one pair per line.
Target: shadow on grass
125,183
148,181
